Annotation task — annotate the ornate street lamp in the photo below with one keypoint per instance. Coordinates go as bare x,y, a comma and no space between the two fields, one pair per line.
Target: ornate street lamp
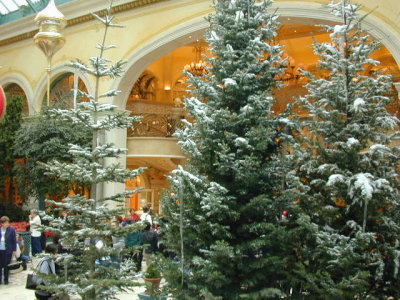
49,39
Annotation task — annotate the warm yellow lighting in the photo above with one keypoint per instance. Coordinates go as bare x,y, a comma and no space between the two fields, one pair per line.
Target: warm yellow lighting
167,88
293,71
198,66
196,69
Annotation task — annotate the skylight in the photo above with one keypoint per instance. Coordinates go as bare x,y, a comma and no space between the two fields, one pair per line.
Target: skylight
7,6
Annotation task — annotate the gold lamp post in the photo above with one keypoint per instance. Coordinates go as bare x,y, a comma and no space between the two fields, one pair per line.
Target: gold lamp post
49,39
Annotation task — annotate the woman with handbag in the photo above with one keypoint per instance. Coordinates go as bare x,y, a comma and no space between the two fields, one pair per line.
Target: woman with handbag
8,247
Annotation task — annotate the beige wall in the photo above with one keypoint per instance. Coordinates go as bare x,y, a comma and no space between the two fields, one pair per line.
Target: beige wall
141,25
144,26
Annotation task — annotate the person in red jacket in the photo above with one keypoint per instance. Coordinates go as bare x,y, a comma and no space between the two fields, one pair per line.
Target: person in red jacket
135,216
8,246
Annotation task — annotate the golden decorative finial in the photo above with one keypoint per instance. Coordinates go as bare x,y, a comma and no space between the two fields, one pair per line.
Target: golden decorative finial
49,38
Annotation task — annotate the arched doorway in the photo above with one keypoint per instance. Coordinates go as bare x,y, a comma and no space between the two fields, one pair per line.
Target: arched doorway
61,90
296,36
306,13
166,62
14,89
297,40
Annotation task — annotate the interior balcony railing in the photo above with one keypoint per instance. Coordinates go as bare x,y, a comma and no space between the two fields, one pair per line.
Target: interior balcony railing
154,125
157,119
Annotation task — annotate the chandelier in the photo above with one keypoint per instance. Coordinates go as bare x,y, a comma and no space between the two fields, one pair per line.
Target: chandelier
198,66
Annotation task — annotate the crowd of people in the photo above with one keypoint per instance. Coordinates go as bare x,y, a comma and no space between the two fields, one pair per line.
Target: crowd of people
147,236
138,245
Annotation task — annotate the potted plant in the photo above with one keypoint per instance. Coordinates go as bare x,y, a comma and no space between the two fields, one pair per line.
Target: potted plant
152,278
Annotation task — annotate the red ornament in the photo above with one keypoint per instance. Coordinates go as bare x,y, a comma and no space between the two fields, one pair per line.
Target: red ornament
2,102
285,213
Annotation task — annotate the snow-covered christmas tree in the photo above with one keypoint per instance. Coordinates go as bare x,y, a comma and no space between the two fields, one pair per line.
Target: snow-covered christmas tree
224,210
92,268
347,182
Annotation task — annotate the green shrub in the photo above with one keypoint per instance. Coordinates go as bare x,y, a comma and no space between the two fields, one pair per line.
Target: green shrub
152,272
13,211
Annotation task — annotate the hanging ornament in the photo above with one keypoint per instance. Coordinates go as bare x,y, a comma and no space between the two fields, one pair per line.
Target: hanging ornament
49,38
2,102
339,201
303,180
284,215
50,21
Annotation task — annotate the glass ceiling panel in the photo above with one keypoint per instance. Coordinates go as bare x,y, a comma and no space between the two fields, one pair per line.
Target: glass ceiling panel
7,6
12,10
3,10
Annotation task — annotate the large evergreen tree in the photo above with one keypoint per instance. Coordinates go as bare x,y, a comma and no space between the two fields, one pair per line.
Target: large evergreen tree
348,188
43,140
92,268
224,209
9,125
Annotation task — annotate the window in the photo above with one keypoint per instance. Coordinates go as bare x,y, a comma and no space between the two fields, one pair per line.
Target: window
7,6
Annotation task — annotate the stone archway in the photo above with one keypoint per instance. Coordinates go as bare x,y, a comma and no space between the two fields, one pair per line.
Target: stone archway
40,90
23,83
15,90
158,47
143,150
309,13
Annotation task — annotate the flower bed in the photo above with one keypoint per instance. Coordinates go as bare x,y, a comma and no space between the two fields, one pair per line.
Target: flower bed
19,226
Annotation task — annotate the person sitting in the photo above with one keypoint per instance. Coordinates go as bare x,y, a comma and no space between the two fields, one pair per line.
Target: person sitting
18,260
127,220
135,217
46,266
56,241
24,259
